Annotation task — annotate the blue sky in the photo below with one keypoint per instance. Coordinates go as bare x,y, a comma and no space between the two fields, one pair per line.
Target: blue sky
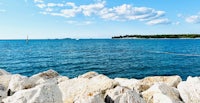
43,19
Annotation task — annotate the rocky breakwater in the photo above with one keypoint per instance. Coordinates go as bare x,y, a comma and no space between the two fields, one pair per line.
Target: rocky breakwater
91,87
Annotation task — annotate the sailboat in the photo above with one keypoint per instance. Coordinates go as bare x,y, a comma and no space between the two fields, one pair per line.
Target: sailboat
27,40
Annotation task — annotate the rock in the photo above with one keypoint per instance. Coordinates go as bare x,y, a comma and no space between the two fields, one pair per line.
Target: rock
47,74
122,95
147,82
129,83
3,92
80,86
44,93
3,72
161,93
17,83
89,75
90,98
190,90
4,80
62,79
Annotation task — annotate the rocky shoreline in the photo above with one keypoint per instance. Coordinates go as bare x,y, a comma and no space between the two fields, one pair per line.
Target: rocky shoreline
91,87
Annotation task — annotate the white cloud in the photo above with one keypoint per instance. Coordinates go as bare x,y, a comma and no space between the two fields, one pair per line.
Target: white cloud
124,12
128,12
79,23
193,19
87,10
158,21
41,6
55,4
69,12
38,1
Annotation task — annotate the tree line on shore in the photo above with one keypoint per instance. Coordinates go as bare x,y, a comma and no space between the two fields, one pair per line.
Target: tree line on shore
159,36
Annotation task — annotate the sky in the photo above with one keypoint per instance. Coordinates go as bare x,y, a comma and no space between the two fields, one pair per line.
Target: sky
48,19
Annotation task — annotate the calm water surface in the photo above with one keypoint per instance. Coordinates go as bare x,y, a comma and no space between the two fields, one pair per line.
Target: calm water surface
136,58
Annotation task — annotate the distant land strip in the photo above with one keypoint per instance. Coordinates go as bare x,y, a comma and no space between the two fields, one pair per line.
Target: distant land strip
157,36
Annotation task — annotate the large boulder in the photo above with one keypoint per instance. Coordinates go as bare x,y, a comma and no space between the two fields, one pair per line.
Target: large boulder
90,98
81,86
17,82
89,75
44,93
129,83
5,78
3,72
147,82
122,95
3,92
190,90
46,76
161,93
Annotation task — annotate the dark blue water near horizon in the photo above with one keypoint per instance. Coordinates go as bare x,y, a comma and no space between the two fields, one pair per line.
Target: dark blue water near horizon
132,58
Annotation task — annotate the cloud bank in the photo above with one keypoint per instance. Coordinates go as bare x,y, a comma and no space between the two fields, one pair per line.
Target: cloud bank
124,12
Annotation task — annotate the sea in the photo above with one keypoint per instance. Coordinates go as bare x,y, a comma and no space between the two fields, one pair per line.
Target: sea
125,58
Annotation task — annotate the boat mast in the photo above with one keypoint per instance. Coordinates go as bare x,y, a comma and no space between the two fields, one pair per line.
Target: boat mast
27,40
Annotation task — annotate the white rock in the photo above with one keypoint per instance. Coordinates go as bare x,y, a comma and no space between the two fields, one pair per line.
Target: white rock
44,77
129,83
4,80
147,82
62,79
3,72
3,92
122,95
90,98
17,82
47,74
89,75
80,86
44,93
161,93
190,90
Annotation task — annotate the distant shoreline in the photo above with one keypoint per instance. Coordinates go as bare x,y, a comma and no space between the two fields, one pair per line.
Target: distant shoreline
163,36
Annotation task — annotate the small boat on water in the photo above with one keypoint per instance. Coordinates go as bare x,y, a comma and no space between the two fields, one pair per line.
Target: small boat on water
27,40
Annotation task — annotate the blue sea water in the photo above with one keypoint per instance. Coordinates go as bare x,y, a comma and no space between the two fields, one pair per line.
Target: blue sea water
132,58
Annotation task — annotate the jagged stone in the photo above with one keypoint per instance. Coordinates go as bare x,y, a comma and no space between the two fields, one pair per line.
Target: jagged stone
44,93
122,95
90,98
130,83
161,93
17,82
190,90
147,82
3,72
89,75
77,86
